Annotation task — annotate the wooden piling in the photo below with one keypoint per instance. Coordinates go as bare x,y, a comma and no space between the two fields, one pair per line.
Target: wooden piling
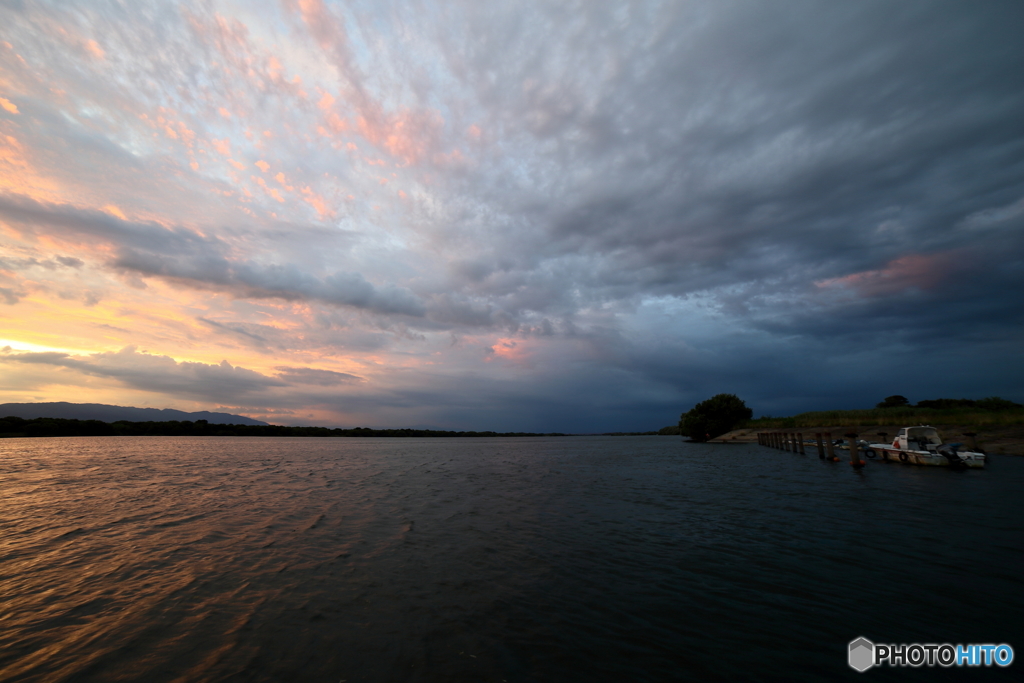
787,439
854,450
830,448
972,443
800,443
821,449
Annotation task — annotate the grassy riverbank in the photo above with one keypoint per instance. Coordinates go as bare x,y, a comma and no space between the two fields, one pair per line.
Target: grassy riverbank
909,415
999,432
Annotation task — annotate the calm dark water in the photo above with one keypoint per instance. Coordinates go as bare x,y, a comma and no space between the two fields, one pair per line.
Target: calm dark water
568,559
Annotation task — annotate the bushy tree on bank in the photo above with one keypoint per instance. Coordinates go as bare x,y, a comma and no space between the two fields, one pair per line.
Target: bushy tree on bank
714,417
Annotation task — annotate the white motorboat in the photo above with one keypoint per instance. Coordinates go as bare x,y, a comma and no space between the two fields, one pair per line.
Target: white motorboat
922,445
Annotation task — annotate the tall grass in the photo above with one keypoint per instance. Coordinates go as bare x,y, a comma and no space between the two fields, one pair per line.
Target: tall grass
903,416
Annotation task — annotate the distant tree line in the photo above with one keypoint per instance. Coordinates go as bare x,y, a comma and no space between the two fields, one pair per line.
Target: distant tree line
47,426
992,403
630,433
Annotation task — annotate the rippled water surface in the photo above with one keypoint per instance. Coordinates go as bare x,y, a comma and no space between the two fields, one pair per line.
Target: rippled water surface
532,559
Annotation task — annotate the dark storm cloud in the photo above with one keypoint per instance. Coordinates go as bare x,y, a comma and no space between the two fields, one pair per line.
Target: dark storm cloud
221,383
196,260
773,137
241,331
754,163
162,374
323,378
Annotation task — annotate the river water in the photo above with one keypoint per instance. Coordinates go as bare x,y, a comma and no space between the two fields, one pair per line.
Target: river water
526,559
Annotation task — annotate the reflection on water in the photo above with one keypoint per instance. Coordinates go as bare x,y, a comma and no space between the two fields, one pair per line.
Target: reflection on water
585,558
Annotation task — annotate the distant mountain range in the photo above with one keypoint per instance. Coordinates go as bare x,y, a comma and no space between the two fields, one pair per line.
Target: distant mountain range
105,413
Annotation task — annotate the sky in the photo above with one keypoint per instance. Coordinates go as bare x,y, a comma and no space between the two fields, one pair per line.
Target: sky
519,216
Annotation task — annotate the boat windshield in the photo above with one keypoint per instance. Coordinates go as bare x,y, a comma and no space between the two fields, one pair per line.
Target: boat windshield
924,435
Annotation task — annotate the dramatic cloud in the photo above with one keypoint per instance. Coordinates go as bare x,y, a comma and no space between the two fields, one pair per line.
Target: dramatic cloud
192,259
160,374
324,378
527,215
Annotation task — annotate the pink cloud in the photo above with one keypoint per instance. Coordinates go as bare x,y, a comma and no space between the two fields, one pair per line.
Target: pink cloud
409,135
222,146
316,201
280,177
326,102
515,351
274,68
187,136
272,192
94,49
913,271
242,60
336,123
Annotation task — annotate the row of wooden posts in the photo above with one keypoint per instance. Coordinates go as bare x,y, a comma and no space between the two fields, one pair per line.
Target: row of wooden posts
794,443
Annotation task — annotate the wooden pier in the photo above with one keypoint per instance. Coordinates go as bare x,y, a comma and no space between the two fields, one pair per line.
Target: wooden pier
793,442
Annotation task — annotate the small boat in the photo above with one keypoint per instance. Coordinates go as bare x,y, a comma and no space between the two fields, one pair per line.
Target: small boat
922,445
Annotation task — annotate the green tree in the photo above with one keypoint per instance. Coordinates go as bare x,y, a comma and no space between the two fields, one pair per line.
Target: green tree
995,403
714,417
946,403
893,402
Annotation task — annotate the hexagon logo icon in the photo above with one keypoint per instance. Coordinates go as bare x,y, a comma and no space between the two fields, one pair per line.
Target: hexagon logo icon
862,654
